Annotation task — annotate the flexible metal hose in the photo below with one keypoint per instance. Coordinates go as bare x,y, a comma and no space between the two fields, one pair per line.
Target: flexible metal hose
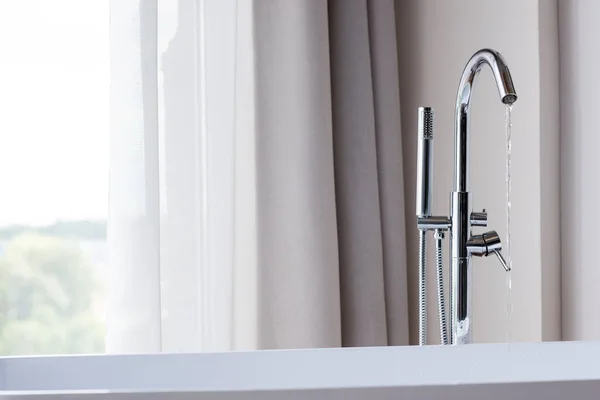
439,235
422,290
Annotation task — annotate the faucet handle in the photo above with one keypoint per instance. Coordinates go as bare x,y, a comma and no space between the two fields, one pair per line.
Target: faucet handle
478,218
486,244
502,260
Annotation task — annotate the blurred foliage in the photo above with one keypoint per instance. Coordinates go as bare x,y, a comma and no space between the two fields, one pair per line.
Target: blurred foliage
82,230
47,293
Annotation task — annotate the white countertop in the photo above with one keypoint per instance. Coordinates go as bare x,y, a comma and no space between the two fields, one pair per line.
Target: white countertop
524,370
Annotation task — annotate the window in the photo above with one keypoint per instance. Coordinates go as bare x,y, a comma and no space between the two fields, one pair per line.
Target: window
54,124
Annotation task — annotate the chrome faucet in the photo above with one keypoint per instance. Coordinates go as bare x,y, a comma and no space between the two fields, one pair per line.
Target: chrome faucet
463,243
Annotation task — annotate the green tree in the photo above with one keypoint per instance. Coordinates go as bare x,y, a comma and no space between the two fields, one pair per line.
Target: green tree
92,230
47,291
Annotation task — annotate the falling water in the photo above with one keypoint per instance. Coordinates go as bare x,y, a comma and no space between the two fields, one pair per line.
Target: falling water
508,253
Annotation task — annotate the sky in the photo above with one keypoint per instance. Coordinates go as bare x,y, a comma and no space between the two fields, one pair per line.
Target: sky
54,110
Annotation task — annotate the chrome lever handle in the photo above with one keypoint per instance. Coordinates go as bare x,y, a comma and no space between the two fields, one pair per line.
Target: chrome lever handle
502,260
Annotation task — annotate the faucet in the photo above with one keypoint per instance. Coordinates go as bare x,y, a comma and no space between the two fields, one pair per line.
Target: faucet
463,243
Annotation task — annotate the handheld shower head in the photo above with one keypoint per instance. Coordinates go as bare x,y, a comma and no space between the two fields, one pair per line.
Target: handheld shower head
424,161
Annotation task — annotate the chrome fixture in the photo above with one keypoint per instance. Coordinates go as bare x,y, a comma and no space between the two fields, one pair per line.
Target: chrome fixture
463,243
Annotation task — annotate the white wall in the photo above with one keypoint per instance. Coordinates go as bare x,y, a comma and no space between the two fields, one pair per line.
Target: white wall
580,82
436,38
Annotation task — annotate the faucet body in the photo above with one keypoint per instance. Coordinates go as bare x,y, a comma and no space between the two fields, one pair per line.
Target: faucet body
463,244
461,199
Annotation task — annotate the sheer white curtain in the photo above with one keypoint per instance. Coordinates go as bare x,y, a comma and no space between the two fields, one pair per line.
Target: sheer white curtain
171,190
256,196
133,322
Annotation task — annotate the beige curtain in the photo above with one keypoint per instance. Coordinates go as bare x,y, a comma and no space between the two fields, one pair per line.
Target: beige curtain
320,254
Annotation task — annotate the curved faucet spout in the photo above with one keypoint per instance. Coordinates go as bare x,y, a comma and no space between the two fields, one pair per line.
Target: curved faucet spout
508,96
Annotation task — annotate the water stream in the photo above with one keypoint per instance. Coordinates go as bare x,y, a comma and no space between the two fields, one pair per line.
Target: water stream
507,249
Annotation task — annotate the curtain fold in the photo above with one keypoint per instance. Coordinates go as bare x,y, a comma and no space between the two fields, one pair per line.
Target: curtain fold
357,179
133,296
386,105
281,202
182,165
297,269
